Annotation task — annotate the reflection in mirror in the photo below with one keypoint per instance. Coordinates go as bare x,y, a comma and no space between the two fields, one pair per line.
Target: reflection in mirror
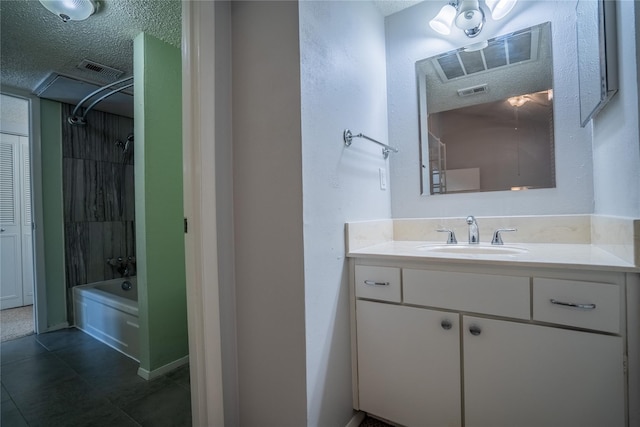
486,115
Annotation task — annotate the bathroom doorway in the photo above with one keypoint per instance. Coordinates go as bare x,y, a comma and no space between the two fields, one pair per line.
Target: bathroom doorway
16,219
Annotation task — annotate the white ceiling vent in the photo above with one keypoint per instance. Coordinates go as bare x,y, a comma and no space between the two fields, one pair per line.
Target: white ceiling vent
101,71
474,90
505,51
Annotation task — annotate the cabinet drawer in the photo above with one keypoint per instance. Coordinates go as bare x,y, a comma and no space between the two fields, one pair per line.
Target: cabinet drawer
587,305
380,283
478,293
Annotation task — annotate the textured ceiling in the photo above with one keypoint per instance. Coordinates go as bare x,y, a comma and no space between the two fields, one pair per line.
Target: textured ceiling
389,7
34,42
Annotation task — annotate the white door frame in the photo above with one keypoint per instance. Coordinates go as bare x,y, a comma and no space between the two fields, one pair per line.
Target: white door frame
39,294
198,136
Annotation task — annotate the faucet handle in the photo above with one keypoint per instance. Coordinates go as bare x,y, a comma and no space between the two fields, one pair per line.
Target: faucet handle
497,238
451,239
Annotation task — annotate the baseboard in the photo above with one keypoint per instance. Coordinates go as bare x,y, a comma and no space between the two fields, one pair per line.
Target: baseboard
59,326
149,375
356,419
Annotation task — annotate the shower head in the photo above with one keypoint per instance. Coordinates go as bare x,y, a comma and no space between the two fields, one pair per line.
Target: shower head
124,146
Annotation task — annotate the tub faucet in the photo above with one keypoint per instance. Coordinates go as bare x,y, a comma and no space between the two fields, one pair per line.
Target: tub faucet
474,233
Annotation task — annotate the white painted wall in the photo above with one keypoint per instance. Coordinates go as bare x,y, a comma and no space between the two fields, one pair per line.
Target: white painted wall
616,144
409,38
343,86
267,197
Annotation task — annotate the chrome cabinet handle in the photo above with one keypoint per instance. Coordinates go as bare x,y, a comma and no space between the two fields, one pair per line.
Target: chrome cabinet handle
572,304
475,330
374,283
446,324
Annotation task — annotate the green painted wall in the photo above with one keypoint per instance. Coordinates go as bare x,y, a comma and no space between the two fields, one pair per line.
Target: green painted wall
159,204
53,213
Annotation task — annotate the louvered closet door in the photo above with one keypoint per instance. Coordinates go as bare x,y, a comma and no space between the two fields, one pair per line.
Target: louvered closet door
11,289
27,226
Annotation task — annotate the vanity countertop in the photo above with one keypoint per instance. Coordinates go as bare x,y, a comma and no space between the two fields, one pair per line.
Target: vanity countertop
547,255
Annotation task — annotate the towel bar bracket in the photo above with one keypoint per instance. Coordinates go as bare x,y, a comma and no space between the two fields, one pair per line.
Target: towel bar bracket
348,136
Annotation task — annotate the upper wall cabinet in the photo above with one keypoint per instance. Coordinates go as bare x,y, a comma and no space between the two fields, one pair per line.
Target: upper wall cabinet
597,55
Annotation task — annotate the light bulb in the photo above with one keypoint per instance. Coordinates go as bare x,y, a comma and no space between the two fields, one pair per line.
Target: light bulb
443,20
500,8
70,10
518,101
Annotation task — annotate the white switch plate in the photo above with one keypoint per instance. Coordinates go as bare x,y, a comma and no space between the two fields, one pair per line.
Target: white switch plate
383,178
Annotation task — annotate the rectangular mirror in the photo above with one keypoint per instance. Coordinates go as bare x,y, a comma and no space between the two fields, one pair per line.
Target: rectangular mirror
486,115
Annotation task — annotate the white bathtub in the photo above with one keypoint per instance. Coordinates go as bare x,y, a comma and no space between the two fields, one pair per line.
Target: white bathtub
109,313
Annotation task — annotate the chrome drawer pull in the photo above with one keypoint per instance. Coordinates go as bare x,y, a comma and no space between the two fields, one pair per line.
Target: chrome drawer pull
571,304
374,283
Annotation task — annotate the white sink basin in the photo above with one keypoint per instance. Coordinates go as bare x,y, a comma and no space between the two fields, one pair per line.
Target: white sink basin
473,249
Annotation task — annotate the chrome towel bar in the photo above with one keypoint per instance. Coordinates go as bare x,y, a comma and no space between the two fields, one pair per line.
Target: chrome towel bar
348,138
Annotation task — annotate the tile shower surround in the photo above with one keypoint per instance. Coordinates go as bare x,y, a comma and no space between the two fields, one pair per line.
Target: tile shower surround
98,192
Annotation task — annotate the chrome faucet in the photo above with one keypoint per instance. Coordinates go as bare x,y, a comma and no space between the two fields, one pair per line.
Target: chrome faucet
497,238
474,233
451,239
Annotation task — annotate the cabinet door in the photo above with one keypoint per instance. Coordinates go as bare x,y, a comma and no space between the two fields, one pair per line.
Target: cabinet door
519,375
409,364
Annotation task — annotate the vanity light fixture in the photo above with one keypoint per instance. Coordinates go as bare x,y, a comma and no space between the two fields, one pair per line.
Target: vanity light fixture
70,10
500,8
468,16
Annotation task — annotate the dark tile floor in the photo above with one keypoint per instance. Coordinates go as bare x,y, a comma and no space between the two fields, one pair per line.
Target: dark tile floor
67,378
373,422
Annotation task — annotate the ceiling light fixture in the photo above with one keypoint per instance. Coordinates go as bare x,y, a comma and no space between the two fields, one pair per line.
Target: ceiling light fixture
518,101
70,10
468,16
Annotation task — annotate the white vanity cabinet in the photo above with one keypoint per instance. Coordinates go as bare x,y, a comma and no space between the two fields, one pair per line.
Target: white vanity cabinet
458,347
528,375
409,364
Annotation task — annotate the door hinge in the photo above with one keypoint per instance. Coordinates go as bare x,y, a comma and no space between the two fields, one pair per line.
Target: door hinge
624,364
186,226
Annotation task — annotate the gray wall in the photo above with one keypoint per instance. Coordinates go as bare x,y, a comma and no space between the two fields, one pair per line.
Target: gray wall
267,179
224,208
98,192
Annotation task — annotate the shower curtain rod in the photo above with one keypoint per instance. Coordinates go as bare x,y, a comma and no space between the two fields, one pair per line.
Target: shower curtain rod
81,121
